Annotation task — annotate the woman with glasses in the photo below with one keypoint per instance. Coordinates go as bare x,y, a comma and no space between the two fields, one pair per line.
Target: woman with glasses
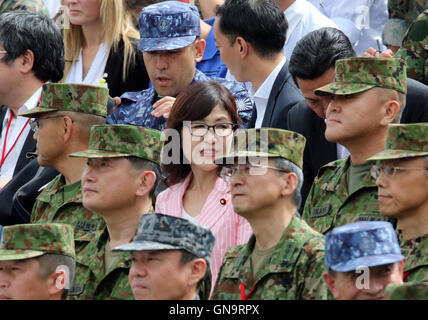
200,128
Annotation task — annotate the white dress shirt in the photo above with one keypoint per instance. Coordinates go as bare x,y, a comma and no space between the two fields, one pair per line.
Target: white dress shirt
15,128
261,96
302,18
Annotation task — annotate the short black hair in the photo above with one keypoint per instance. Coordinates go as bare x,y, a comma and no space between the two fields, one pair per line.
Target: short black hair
23,30
259,22
318,51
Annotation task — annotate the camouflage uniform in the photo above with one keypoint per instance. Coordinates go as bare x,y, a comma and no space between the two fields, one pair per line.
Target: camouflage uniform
329,203
407,141
170,25
414,49
36,6
157,231
52,205
92,280
407,291
294,269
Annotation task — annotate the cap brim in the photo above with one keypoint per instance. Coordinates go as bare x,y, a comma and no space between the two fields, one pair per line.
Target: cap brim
230,158
146,246
342,88
7,255
161,44
98,154
368,261
397,154
31,113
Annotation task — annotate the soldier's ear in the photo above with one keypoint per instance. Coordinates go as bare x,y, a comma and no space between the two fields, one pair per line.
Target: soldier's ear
200,49
197,268
289,183
391,109
57,282
331,284
147,180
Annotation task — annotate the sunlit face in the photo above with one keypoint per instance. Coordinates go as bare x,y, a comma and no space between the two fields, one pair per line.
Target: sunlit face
20,280
404,192
158,275
83,12
201,151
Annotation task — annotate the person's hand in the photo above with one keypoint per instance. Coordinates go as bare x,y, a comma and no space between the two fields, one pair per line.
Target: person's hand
372,52
163,107
3,182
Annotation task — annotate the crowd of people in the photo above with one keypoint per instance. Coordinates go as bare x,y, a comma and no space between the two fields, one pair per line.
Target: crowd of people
213,149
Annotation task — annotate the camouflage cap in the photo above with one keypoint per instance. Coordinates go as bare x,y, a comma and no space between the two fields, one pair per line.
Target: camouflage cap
71,97
266,143
359,244
121,140
24,241
355,75
168,25
405,141
163,232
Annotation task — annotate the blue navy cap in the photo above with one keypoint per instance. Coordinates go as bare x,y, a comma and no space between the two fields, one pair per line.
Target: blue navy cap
157,231
361,244
168,25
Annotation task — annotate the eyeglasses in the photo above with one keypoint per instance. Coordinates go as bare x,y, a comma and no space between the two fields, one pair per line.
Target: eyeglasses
246,169
220,129
34,123
389,171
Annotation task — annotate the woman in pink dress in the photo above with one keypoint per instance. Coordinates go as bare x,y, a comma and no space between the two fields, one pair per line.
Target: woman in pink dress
200,127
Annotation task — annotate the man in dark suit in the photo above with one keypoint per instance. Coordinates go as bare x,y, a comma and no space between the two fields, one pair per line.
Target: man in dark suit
31,53
250,36
312,66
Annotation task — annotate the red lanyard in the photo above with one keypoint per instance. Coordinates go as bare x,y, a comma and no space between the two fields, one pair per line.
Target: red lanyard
3,156
243,296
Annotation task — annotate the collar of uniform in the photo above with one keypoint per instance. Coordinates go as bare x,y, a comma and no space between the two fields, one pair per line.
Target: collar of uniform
52,188
337,177
415,252
210,49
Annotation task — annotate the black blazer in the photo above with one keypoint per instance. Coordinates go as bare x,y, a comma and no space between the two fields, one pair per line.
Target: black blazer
283,96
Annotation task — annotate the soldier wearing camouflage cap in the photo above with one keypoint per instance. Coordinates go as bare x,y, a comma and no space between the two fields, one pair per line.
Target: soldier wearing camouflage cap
366,95
44,256
370,249
402,180
182,249
61,125
118,183
284,258
171,44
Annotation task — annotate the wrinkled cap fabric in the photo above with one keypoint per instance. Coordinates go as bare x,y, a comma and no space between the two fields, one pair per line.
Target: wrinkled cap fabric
354,75
266,143
24,241
405,141
158,231
71,97
120,140
168,25
361,244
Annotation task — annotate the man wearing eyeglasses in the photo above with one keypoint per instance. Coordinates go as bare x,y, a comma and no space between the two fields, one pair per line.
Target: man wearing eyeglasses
61,125
402,180
284,258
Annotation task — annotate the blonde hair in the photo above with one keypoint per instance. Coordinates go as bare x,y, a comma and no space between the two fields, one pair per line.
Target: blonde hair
117,24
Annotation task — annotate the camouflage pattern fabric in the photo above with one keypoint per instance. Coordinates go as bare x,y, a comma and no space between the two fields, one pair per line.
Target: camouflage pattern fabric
157,231
405,141
406,291
36,6
266,143
353,75
23,241
416,263
168,25
52,206
92,282
414,49
113,141
329,203
361,244
136,107
71,97
293,272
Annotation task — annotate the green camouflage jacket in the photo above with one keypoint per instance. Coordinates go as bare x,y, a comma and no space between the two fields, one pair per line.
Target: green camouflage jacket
329,205
35,6
416,262
414,49
50,206
294,271
92,282
407,291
